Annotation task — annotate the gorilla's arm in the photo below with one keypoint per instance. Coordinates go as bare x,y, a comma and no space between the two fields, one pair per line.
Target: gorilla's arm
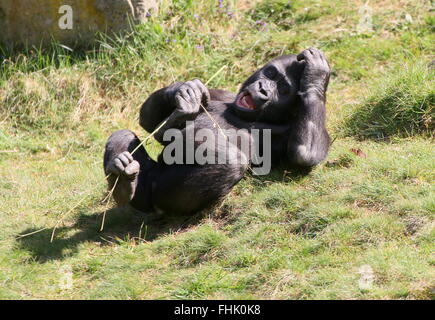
309,141
222,95
158,107
175,105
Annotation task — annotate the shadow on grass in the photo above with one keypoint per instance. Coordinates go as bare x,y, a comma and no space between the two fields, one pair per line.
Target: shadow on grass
121,224
282,173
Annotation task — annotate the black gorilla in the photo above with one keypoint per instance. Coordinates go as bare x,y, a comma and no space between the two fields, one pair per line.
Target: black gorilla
286,96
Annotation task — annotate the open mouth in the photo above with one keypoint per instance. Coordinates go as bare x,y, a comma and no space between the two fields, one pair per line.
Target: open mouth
246,101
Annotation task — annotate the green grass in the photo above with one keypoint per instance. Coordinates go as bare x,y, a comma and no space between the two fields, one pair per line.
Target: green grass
283,236
402,104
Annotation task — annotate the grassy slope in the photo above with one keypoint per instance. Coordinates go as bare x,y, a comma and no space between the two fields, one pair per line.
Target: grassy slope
280,236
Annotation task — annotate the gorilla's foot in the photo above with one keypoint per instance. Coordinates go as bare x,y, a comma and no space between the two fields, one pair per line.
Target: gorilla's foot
123,171
128,171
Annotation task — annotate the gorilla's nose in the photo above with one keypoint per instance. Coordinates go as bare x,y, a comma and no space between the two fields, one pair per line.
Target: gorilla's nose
264,90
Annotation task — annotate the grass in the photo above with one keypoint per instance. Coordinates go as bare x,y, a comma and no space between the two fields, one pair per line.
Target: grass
402,104
286,236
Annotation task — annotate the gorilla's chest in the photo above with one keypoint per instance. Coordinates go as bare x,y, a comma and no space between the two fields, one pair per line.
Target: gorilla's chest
218,130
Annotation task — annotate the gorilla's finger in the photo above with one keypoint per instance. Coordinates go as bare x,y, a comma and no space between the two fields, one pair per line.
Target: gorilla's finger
180,100
205,94
195,83
313,50
316,52
123,159
128,155
305,55
190,93
320,55
183,95
196,87
192,97
201,86
183,87
198,83
197,92
132,168
118,164
323,57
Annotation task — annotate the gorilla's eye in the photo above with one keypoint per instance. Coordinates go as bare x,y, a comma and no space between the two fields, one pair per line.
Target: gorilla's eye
283,88
270,72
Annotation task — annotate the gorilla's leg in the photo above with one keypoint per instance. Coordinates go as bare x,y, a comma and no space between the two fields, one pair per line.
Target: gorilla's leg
185,189
178,189
131,170
188,188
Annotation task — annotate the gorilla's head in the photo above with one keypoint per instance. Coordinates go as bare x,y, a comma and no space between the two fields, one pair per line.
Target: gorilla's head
270,94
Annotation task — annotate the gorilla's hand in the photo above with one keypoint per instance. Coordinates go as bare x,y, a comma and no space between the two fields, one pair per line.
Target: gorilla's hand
124,164
316,72
188,99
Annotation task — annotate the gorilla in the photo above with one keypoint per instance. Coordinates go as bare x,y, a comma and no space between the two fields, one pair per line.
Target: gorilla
286,96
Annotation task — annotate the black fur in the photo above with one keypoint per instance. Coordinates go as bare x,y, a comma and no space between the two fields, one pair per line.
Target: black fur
289,95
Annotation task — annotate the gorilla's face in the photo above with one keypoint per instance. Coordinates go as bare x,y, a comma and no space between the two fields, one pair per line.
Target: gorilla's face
269,95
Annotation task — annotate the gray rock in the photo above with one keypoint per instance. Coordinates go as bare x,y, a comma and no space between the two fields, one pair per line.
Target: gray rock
34,22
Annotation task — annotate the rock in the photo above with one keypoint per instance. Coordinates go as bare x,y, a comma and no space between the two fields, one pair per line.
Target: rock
71,22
